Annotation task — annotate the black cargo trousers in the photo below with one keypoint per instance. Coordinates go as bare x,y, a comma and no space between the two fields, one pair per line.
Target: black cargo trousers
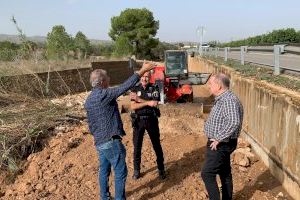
150,124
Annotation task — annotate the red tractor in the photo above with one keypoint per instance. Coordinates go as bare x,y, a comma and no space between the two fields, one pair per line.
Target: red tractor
174,80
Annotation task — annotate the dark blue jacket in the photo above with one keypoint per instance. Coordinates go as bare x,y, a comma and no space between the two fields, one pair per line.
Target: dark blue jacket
102,111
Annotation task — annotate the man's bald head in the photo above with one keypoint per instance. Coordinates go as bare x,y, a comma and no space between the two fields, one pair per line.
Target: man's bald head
222,79
218,83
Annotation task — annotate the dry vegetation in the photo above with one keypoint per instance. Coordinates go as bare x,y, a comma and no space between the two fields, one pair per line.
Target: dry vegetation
261,73
26,122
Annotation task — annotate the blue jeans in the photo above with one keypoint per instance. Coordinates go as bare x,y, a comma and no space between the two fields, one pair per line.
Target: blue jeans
112,154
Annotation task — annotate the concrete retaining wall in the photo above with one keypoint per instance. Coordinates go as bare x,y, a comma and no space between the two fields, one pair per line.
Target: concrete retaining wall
65,82
271,124
118,71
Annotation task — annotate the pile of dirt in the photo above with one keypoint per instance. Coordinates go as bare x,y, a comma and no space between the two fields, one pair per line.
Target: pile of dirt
67,168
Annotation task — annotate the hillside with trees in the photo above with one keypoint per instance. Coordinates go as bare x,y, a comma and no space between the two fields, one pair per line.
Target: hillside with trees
289,35
133,33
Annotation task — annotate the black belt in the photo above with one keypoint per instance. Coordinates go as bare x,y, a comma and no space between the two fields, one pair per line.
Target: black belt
226,141
116,137
145,116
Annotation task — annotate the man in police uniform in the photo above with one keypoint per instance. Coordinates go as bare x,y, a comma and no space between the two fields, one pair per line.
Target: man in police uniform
144,100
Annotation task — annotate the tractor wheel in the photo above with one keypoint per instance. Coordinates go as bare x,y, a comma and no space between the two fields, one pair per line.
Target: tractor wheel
190,98
186,98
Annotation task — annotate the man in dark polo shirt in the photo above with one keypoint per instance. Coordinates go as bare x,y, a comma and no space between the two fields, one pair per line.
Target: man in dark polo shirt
144,100
106,126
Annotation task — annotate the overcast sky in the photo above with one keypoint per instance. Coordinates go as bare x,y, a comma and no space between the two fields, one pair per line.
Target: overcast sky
224,20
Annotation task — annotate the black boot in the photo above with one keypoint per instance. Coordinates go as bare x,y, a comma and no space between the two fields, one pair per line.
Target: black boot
162,174
136,175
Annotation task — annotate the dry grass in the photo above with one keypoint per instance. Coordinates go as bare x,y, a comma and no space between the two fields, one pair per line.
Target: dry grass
260,73
24,123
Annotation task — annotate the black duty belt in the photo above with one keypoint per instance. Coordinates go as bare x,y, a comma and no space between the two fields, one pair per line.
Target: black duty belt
116,137
145,116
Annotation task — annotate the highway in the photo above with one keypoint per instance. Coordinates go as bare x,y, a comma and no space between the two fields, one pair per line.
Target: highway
287,61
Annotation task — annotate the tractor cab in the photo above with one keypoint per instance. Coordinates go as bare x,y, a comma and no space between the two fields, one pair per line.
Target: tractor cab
176,63
176,68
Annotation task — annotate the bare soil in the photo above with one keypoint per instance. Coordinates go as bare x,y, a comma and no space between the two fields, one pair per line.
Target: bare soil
67,168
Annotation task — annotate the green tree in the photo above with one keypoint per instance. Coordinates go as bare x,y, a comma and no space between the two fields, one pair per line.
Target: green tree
148,45
59,43
106,49
158,53
134,31
123,47
180,44
8,51
298,37
27,47
95,49
214,43
288,35
82,44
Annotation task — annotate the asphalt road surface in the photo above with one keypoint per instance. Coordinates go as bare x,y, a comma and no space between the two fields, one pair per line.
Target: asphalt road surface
287,61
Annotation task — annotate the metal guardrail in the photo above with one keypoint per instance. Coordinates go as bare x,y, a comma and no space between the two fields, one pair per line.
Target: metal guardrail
281,57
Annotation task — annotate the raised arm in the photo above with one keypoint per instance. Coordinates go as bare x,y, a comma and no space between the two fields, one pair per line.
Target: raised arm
115,92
